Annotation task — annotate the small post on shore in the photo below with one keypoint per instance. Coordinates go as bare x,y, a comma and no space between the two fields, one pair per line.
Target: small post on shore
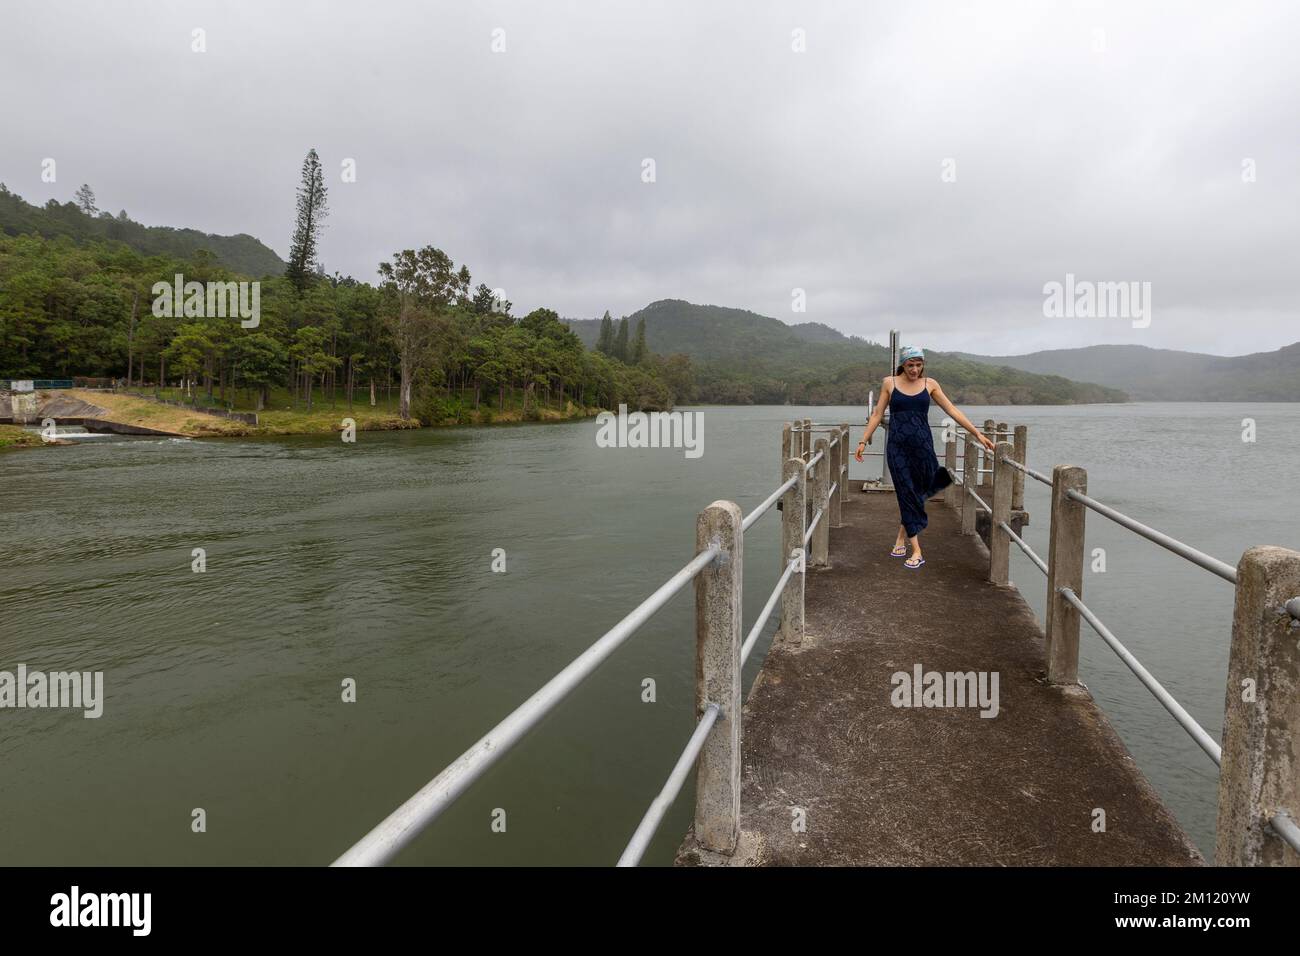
1065,570
717,676
969,478
1018,482
999,542
794,507
821,538
1260,772
986,478
950,462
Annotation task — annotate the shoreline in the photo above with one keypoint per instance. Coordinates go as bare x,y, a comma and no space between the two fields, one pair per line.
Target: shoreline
131,411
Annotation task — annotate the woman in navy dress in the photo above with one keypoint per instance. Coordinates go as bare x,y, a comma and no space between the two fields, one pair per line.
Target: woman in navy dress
910,448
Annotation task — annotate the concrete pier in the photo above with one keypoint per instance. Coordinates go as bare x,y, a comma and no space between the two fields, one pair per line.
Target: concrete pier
835,772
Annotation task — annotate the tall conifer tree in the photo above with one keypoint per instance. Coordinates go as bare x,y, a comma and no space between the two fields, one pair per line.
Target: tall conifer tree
605,343
312,211
620,341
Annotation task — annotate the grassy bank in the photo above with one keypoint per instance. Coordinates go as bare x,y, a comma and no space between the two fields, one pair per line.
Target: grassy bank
285,416
11,436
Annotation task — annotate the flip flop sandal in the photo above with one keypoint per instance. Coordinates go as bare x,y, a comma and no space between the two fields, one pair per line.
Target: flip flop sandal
899,552
912,567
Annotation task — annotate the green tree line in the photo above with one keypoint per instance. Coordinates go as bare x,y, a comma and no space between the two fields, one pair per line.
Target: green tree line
71,307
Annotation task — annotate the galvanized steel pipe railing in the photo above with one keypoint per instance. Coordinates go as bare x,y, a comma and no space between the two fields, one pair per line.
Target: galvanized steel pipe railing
672,788
1028,471
790,567
406,822
1282,824
1180,714
813,461
1020,542
978,500
766,506
654,816
812,526
1221,568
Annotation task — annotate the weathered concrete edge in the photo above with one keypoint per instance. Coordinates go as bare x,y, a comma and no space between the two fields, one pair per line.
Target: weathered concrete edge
749,851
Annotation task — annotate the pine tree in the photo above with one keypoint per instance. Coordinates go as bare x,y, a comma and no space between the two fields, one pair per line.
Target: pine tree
639,350
620,341
605,343
312,211
86,200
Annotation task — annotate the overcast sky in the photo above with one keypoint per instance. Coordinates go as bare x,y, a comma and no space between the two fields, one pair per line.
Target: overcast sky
1103,140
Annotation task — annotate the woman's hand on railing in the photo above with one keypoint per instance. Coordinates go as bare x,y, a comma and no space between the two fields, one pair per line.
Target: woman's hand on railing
984,440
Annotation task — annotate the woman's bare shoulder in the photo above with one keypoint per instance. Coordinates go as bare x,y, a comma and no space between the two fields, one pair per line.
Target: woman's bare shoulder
932,385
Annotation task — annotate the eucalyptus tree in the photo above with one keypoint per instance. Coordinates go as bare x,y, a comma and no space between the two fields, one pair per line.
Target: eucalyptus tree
420,288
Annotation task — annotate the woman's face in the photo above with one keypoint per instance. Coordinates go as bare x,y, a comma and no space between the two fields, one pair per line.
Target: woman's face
913,368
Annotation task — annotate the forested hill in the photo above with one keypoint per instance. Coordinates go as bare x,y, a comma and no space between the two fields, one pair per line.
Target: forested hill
242,253
1167,375
716,333
742,357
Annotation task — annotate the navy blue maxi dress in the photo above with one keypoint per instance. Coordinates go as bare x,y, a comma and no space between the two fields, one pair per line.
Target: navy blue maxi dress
910,453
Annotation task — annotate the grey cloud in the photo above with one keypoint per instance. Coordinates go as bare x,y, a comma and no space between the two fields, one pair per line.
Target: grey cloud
776,170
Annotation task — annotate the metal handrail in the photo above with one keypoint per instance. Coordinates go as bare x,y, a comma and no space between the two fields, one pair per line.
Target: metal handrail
978,500
813,461
1180,714
812,526
752,638
636,847
772,499
1020,542
1221,568
645,831
1028,471
1282,824
405,823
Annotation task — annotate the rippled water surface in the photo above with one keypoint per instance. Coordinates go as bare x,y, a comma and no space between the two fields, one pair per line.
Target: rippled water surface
372,561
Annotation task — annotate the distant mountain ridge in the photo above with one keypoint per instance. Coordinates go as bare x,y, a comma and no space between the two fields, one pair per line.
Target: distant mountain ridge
240,253
1168,375
743,357
713,332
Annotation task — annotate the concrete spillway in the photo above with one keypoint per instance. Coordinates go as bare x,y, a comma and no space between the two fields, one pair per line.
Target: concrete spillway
32,408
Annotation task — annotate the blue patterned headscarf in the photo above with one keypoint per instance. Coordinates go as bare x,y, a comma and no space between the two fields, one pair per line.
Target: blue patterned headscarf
910,352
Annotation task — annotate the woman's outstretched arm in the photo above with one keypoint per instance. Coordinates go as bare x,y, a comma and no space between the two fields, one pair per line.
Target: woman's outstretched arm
877,414
957,415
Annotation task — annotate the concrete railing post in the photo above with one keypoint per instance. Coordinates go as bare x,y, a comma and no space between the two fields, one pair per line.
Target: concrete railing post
970,478
1065,570
805,439
820,546
787,436
841,472
950,462
999,543
794,507
837,479
1260,772
1018,481
849,448
991,435
717,676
